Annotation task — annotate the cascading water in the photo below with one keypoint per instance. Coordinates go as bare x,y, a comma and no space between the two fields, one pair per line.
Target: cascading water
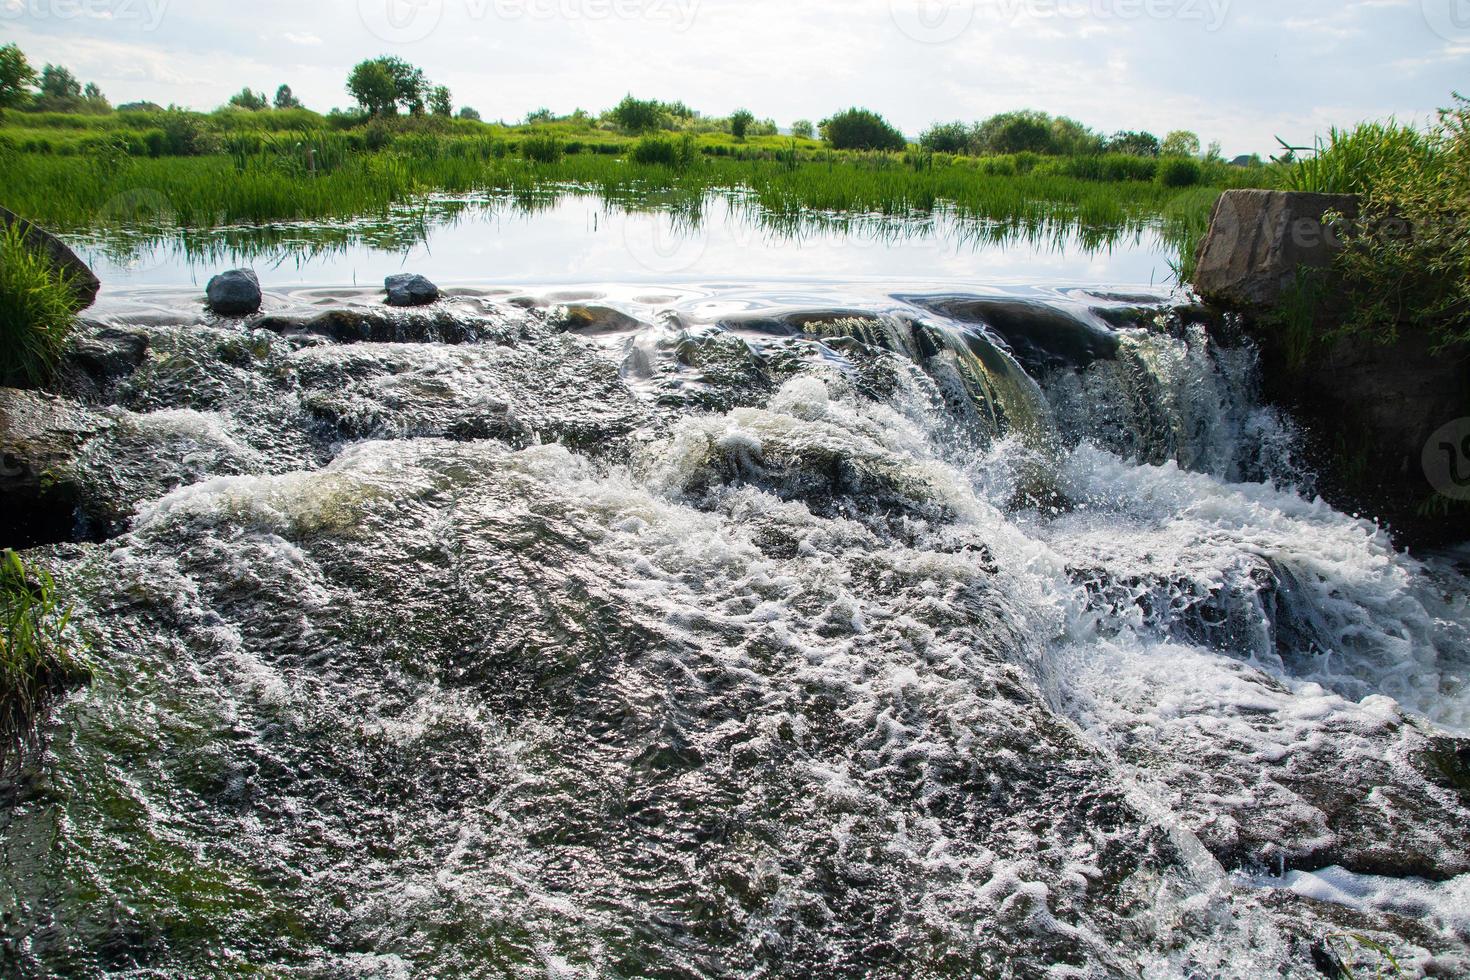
728,633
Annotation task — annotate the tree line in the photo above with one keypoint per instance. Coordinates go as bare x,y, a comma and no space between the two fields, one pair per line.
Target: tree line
388,86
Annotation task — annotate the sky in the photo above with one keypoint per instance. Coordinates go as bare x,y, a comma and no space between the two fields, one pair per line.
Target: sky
1239,71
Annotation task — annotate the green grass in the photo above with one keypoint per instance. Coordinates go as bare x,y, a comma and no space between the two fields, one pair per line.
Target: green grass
38,659
1350,161
303,168
37,311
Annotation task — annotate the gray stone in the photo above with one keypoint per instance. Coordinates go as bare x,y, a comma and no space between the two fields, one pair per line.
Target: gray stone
234,293
84,282
1258,240
407,289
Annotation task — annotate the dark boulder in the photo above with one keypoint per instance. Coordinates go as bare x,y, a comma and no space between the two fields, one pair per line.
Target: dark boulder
234,293
84,282
410,290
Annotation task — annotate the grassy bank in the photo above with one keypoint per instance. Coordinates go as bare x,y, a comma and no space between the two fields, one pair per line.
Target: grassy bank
38,657
260,170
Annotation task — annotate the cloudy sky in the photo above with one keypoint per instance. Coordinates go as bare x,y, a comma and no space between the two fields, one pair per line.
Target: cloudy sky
1240,71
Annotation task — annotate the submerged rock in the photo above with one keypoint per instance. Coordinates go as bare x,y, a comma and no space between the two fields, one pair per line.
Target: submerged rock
410,290
84,282
234,293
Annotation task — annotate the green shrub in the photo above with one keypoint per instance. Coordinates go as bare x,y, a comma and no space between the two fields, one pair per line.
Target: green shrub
1352,161
542,149
38,660
1179,172
677,153
1407,259
860,129
37,311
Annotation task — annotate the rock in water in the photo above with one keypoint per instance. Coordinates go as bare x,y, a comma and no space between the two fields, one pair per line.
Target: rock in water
410,290
1258,240
234,293
84,282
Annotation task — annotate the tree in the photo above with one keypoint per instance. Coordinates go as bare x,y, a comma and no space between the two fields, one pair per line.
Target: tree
1134,144
382,85
1180,143
466,112
542,115
58,83
372,85
1070,138
440,103
93,100
1026,131
861,129
248,100
286,99
637,116
740,122
946,138
16,78
803,129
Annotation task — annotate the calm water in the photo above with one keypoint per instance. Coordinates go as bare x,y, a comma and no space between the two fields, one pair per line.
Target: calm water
581,239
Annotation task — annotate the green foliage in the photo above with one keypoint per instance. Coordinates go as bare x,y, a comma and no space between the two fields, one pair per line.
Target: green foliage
740,122
1180,143
861,129
1352,161
286,99
249,101
440,102
543,149
803,129
946,138
16,78
636,115
466,112
1407,258
382,85
1179,172
1135,144
37,311
678,153
38,659
1014,132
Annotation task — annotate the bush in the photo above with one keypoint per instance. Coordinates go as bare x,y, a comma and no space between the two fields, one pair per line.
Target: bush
677,153
37,660
860,129
946,138
1179,172
1408,259
542,149
37,311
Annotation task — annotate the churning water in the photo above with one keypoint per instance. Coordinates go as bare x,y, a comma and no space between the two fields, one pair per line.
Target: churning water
728,632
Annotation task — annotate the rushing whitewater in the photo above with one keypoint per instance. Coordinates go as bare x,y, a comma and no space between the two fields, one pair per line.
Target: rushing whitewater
724,633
